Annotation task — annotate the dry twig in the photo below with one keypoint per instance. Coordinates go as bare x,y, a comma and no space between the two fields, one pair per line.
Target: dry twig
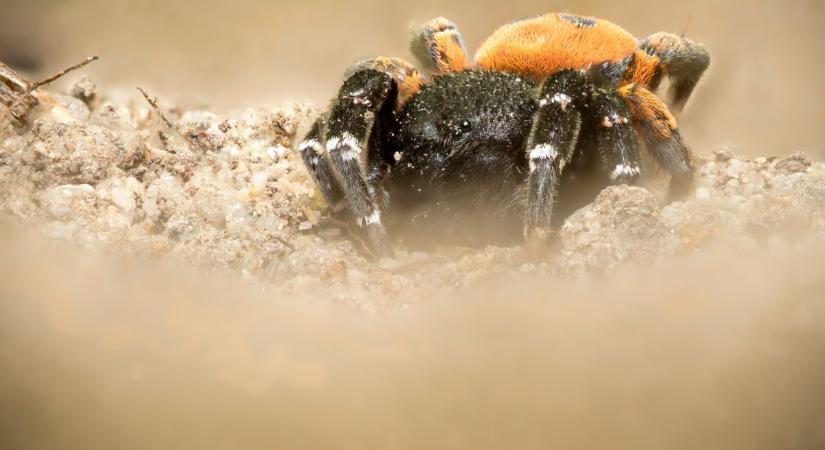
285,242
48,80
12,88
16,92
155,104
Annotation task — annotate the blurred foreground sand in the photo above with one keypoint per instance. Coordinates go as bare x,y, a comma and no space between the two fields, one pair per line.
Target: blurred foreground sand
718,351
189,296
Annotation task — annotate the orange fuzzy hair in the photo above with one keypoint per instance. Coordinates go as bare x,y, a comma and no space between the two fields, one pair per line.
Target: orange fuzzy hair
447,46
544,45
452,54
649,110
643,69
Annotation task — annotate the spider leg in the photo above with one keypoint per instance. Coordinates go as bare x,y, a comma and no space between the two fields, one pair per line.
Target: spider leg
319,165
660,132
683,60
365,95
438,46
615,136
405,74
552,142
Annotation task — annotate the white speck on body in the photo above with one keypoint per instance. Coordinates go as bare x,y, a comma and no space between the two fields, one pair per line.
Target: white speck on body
624,169
346,144
562,100
540,152
613,119
373,219
311,144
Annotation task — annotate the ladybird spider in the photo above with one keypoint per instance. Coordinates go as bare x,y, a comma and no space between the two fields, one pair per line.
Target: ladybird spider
476,147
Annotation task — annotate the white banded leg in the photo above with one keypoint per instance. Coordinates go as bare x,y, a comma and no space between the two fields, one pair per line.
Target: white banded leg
350,120
317,162
552,143
659,130
616,137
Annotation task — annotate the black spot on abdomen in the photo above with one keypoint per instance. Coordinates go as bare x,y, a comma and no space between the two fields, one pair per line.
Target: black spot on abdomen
579,21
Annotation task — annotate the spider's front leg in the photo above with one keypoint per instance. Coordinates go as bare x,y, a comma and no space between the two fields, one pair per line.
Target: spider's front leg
660,132
615,136
683,60
552,142
320,167
366,95
438,46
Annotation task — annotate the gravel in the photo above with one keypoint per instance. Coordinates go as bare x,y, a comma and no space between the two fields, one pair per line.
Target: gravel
228,192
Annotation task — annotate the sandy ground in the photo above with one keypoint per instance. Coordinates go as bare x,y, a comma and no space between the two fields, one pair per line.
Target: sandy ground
183,288
229,192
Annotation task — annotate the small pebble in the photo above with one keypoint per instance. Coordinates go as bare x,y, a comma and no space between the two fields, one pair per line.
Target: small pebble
702,194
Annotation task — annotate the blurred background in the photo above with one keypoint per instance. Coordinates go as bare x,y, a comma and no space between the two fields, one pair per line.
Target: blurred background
762,94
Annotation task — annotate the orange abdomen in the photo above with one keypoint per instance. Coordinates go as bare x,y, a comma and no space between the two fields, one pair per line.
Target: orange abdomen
540,46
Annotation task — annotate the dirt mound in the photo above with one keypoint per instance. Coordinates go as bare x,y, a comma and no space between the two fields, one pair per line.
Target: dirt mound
228,191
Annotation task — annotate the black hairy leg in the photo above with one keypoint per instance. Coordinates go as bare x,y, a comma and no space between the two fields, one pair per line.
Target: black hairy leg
364,96
406,76
658,129
615,136
553,140
320,167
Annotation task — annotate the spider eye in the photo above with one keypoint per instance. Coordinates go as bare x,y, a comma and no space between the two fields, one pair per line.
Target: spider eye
459,127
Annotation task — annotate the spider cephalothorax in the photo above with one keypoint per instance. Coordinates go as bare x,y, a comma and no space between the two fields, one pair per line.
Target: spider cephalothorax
482,147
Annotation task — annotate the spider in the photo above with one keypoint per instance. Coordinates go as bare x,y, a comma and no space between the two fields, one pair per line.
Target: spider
476,152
